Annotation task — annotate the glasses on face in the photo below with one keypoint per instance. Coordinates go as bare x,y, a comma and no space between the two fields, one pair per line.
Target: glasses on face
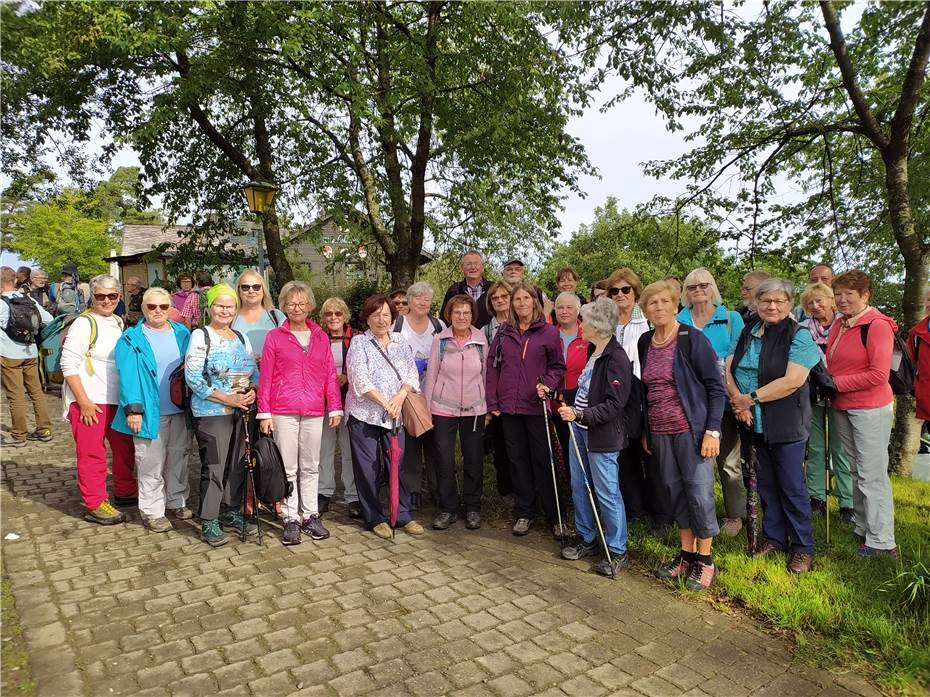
462,314
297,306
616,290
772,301
100,297
224,308
401,302
697,286
747,289
250,286
502,297
333,313
152,307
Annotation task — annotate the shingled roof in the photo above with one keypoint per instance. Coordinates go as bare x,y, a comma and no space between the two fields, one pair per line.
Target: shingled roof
138,239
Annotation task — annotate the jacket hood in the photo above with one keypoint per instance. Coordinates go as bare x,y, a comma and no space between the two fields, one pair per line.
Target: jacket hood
875,315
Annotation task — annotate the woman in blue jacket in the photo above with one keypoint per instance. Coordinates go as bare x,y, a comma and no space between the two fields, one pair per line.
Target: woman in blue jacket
146,355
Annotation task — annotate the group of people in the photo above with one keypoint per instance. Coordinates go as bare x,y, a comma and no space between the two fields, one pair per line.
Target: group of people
644,388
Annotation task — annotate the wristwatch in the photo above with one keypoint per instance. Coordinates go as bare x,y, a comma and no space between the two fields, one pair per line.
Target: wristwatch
754,396
578,413
713,434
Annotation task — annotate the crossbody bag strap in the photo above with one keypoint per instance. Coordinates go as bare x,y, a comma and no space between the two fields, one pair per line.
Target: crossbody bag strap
385,356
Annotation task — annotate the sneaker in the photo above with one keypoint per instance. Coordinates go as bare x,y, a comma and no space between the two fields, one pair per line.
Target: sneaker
126,501
866,551
562,532
10,442
846,515
383,530
322,503
157,524
579,548
212,534
42,434
413,528
313,526
522,526
731,527
473,520
618,562
443,520
182,513
105,514
700,576
818,505
291,533
799,563
675,569
355,510
235,522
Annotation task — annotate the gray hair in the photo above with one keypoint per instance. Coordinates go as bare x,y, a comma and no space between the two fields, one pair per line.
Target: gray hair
153,293
39,273
774,285
568,295
104,280
420,288
295,288
700,275
602,315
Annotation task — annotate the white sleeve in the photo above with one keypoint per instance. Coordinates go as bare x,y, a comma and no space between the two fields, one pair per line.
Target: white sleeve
76,346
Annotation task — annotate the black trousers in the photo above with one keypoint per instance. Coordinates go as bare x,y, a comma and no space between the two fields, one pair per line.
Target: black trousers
221,443
531,471
420,465
471,438
494,444
641,484
370,447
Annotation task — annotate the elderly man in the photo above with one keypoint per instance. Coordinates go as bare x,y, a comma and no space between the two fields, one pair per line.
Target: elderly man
134,292
751,281
513,273
20,362
40,291
474,285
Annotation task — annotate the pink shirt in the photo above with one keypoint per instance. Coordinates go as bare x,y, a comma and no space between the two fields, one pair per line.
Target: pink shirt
666,415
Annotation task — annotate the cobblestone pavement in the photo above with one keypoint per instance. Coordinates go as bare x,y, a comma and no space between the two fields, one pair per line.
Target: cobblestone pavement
124,611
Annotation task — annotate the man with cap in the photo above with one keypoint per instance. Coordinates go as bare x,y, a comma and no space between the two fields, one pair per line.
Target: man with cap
514,271
474,285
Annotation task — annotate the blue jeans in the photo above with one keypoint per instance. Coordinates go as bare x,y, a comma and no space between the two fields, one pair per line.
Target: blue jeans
786,508
605,474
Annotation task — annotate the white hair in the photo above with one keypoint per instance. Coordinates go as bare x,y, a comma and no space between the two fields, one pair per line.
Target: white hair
700,275
602,315
420,288
568,295
104,280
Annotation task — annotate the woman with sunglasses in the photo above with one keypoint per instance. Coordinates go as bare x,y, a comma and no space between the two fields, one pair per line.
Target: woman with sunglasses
334,316
257,314
147,354
91,396
704,310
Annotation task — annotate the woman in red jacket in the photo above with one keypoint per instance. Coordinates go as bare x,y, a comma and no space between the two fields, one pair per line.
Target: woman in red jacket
918,343
575,352
296,390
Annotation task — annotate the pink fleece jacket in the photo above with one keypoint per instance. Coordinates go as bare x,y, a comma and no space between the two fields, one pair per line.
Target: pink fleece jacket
861,371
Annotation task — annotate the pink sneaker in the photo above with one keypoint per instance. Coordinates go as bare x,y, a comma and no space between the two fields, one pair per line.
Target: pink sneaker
675,569
701,576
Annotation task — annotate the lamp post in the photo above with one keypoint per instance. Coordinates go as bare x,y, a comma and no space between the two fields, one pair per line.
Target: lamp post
260,196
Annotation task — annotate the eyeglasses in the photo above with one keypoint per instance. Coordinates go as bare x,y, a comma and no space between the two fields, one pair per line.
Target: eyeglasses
152,307
250,286
100,297
297,306
697,286
501,296
333,313
613,292
401,302
772,301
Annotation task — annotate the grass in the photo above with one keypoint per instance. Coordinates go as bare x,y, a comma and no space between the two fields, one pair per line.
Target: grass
16,678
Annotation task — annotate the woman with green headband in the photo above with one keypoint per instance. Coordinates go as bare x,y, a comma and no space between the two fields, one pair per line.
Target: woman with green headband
220,370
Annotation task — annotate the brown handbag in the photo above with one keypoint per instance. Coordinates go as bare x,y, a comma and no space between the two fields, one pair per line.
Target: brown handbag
415,413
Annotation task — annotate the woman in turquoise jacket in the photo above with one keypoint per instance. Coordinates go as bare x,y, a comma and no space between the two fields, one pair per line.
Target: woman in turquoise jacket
146,355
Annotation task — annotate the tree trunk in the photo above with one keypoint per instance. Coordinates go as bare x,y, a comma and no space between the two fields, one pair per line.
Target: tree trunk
403,267
275,250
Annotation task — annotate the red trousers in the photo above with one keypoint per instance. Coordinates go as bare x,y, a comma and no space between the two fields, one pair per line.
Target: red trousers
92,456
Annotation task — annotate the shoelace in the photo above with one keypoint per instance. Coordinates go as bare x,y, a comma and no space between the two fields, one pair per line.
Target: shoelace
107,508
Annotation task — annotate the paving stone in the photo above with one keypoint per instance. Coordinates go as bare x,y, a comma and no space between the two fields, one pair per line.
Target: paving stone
428,684
510,685
656,687
354,683
194,686
465,673
582,686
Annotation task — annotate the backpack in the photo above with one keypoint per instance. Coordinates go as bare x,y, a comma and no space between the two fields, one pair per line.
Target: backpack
53,338
24,323
399,323
68,299
271,484
903,372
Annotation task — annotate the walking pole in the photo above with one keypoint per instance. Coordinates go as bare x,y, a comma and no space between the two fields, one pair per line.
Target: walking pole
591,498
250,471
555,485
827,466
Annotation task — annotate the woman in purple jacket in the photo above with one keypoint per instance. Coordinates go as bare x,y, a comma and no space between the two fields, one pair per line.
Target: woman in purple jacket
525,362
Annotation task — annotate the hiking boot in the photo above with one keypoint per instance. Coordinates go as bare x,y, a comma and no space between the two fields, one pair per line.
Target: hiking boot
473,520
618,562
235,522
105,514
355,510
313,526
126,501
157,524
675,569
522,526
182,513
443,520
767,549
562,532
413,528
818,505
212,534
800,562
579,548
700,576
731,527
10,442
846,515
866,551
383,530
322,503
41,434
291,534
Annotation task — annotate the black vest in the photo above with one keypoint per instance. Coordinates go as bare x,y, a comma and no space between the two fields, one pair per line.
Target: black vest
788,419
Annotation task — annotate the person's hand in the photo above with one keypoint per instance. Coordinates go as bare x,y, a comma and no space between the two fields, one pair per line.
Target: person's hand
134,421
542,391
335,420
645,443
710,446
237,400
343,380
741,402
89,412
567,413
395,404
249,397
496,413
487,419
265,426
744,417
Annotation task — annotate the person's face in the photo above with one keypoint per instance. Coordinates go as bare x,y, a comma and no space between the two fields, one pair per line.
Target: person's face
567,283
297,308
39,281
420,304
133,285
513,273
522,303
598,292
622,294
660,310
821,274
850,302
222,311
461,318
773,307
186,284
156,312
251,292
472,267
379,321
334,321
566,313
500,301
819,307
699,292
105,300
748,290
400,302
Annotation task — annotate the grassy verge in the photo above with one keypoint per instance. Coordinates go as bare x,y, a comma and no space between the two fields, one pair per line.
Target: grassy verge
16,679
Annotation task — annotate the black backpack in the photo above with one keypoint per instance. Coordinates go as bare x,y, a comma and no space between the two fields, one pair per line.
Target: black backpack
24,323
271,484
903,372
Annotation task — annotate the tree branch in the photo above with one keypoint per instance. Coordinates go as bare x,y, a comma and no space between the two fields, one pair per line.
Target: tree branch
910,90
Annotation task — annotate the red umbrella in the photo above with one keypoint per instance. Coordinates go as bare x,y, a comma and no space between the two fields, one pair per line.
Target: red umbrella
395,454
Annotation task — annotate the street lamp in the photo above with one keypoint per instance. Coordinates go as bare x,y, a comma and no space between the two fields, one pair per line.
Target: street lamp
260,197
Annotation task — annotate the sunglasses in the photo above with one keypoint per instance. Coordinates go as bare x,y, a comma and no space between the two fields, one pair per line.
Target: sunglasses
401,302
250,286
152,307
100,297
698,286
613,292
333,313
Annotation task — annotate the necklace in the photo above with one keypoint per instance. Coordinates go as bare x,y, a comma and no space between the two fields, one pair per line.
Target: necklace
666,341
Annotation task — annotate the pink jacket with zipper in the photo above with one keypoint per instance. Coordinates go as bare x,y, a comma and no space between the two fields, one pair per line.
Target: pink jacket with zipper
860,371
454,383
298,380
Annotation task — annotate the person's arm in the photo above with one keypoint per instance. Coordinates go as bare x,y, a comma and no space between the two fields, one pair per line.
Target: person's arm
269,366
736,329
878,348
704,361
331,382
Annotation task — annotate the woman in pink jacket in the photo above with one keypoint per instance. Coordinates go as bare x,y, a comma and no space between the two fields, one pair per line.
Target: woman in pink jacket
454,390
296,390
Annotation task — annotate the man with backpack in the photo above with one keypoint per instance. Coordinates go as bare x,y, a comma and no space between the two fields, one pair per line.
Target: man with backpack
70,295
21,319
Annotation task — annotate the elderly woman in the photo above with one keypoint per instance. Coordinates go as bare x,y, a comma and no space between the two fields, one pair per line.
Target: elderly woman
819,306
220,370
257,314
684,405
769,392
859,359
525,364
704,310
498,305
575,354
91,396
147,354
454,390
297,391
418,328
185,288
334,316
595,418
381,374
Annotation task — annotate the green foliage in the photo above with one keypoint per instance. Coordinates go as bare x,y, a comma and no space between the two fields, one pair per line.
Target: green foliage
910,588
